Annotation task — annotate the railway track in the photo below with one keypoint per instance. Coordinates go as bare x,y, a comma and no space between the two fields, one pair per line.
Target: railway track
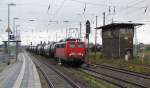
54,77
106,75
48,82
142,75
118,77
65,71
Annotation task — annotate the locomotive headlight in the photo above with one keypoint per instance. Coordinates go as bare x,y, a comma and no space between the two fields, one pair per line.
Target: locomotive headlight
78,54
81,54
71,54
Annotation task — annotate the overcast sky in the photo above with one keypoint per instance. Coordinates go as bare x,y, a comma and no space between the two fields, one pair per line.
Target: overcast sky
74,11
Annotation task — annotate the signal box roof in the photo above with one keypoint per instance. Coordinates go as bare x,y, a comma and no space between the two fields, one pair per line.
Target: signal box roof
13,41
119,25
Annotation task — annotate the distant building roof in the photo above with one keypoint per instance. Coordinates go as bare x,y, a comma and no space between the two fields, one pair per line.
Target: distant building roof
119,25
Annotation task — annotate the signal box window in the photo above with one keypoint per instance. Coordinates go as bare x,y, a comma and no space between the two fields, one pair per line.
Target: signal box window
72,45
80,45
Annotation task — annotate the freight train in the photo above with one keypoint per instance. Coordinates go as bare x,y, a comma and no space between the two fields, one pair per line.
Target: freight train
71,51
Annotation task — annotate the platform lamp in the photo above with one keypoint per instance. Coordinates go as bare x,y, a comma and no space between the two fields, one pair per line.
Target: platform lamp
66,21
8,28
17,39
1,20
14,25
17,33
32,20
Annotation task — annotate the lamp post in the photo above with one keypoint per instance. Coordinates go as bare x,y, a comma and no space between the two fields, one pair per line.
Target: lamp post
17,39
66,28
1,20
8,28
11,4
31,20
17,33
14,26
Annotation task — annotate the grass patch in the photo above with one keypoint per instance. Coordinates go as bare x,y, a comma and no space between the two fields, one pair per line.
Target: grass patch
93,82
87,79
135,64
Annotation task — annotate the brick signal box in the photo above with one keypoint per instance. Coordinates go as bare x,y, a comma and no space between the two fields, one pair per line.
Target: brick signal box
117,39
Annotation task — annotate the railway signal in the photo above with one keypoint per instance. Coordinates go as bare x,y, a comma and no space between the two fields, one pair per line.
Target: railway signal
87,29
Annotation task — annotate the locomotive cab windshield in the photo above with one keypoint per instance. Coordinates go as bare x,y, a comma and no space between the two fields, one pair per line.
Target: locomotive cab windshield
80,45
72,45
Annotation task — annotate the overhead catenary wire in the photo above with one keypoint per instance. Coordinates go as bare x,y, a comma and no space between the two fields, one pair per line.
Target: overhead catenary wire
128,8
115,9
49,6
59,9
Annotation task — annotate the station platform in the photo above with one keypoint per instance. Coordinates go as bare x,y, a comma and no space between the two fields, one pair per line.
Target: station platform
22,74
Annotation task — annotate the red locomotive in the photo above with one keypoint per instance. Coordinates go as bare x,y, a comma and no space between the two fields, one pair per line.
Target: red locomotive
71,51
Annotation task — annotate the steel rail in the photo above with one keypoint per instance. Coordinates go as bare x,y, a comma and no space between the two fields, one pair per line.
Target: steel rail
112,77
